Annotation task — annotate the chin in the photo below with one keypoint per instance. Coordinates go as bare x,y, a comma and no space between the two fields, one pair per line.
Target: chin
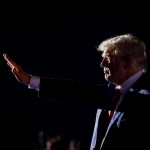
109,79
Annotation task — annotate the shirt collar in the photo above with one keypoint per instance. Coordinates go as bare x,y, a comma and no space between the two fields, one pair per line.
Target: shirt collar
129,82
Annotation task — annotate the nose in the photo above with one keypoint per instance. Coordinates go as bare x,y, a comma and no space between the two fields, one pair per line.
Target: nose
103,63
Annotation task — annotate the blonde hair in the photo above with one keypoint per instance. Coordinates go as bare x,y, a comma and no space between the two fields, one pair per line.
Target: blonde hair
126,46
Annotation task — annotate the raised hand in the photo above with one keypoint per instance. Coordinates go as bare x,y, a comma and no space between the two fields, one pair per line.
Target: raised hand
20,74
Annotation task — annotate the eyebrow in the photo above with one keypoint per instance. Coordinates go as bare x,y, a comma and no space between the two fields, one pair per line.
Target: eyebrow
106,54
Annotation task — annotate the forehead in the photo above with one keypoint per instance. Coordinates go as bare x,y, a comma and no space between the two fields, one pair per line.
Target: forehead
108,52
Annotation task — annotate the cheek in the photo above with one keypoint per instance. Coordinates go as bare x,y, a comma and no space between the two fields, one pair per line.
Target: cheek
116,69
113,67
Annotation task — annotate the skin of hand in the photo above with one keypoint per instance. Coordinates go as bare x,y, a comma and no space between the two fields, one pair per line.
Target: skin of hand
20,74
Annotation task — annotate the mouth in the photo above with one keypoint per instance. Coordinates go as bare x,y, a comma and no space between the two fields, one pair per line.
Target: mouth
106,71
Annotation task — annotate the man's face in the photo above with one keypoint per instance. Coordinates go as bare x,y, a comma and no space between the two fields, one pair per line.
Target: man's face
114,68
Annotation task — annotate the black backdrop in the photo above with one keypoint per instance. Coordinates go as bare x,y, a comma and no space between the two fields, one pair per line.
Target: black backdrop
55,44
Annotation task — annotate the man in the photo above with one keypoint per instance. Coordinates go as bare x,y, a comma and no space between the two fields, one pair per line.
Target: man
125,67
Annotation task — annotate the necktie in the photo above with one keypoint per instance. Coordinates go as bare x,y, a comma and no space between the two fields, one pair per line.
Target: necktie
115,99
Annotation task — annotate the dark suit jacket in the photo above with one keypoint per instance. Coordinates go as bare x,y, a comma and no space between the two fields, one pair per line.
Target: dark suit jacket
129,131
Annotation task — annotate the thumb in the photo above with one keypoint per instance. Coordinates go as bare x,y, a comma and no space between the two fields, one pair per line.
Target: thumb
14,70
16,73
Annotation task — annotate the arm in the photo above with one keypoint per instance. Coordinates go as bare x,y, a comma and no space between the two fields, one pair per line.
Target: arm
62,89
75,92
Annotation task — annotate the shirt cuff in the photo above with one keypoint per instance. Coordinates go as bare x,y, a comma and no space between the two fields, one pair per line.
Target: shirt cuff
34,83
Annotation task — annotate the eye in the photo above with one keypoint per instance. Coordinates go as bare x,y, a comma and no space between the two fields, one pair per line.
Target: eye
108,59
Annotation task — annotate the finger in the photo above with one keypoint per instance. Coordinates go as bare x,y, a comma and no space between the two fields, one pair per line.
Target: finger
10,62
12,67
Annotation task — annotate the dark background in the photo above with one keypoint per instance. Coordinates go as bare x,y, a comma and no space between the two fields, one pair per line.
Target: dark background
55,43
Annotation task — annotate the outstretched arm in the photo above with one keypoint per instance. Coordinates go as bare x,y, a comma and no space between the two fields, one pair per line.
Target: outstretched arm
20,74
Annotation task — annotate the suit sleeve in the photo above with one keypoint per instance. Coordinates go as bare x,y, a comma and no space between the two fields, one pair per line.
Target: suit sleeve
74,92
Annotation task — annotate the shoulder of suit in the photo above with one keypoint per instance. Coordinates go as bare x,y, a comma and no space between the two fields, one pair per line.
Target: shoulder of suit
140,91
142,86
